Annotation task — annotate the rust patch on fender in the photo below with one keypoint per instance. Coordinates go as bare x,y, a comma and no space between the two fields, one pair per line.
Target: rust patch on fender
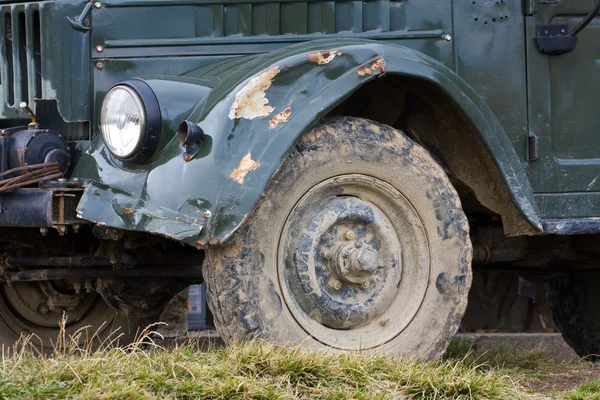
127,210
250,102
280,118
323,57
246,165
378,65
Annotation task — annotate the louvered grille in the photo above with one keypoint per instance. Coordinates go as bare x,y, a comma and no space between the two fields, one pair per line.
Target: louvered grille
20,52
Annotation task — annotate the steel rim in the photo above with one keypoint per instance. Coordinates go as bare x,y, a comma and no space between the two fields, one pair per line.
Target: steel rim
353,262
28,308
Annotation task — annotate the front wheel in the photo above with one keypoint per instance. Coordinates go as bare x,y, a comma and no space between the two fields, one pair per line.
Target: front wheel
359,244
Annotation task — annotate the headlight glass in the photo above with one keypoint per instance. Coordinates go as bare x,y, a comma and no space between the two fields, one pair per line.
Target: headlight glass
122,121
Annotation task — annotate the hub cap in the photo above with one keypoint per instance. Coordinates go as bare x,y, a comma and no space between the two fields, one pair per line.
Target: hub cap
351,264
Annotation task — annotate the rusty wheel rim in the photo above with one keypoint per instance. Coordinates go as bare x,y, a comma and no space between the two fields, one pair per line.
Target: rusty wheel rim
27,308
353,262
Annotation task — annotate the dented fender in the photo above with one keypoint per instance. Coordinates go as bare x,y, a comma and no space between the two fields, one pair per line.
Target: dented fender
252,111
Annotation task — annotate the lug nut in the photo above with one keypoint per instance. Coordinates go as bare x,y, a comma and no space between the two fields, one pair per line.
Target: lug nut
358,244
335,284
326,254
44,231
350,235
365,284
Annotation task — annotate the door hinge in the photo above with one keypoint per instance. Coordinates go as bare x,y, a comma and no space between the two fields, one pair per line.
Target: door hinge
532,147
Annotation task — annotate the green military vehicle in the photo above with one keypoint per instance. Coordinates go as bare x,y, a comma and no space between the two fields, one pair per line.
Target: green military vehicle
333,170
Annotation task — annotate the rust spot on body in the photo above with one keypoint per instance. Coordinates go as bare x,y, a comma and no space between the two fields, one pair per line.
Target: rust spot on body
95,192
378,65
127,210
280,118
250,102
323,57
246,165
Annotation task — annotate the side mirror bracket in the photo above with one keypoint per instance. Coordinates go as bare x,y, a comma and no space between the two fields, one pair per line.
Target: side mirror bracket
555,39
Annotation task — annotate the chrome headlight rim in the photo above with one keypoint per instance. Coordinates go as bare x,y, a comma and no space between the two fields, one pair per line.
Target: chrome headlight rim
151,126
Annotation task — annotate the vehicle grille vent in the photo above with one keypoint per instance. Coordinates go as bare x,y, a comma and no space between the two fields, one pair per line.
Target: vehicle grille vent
20,52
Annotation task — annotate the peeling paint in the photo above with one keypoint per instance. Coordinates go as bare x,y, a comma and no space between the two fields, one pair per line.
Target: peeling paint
378,65
251,102
246,165
323,57
127,210
280,118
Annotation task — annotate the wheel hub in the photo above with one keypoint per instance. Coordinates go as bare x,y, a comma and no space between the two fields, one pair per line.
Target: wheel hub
347,264
354,262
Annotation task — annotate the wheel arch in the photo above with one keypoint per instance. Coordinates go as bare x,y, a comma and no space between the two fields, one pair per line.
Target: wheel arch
501,185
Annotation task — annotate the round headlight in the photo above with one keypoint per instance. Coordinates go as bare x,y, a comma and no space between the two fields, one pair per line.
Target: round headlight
123,121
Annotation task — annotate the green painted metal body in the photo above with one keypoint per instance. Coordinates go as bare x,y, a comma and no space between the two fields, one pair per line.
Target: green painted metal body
198,55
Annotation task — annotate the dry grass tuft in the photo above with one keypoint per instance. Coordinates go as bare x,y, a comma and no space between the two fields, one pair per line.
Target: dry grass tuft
257,370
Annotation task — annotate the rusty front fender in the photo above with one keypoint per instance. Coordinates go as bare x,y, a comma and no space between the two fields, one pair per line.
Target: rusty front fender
251,118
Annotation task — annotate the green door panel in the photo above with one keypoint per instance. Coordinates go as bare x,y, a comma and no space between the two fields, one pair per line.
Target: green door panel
564,94
575,89
200,200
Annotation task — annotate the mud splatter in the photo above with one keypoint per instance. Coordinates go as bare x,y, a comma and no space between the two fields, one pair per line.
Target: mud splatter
246,165
280,118
250,102
378,65
323,57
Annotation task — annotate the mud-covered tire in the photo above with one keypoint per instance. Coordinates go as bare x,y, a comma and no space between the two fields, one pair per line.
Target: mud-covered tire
358,244
97,324
575,303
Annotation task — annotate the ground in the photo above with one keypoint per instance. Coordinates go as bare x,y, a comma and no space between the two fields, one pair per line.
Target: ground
201,368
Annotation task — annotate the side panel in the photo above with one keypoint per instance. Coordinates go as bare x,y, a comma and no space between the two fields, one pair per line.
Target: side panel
147,28
564,96
208,197
490,57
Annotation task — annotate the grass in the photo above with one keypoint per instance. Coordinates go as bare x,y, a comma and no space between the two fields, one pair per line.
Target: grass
586,391
144,370
530,363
